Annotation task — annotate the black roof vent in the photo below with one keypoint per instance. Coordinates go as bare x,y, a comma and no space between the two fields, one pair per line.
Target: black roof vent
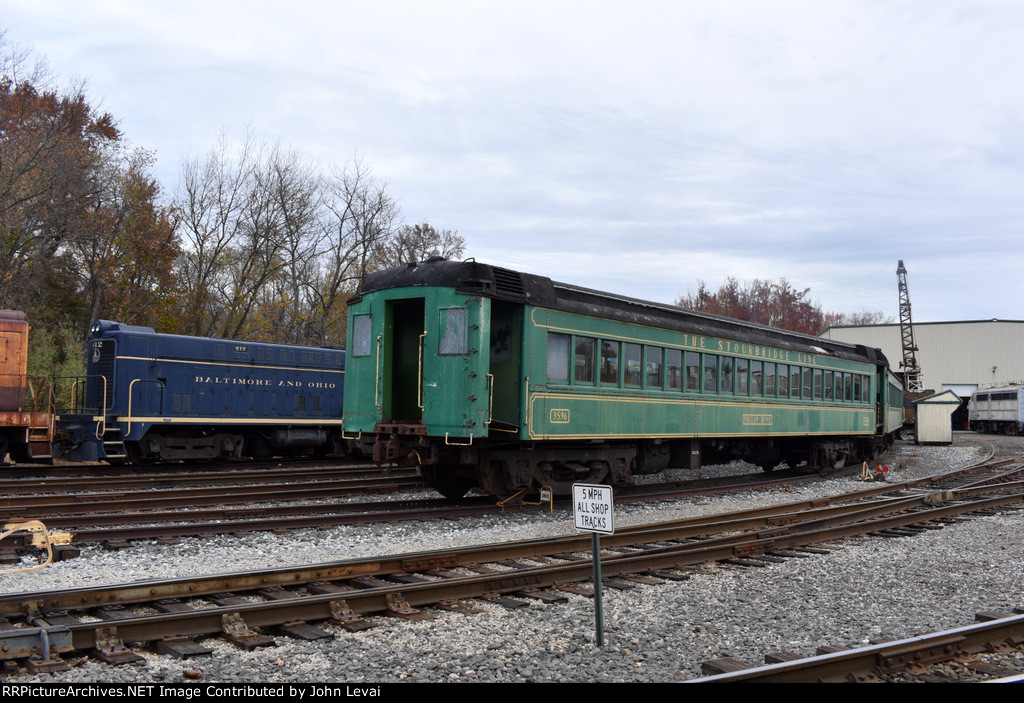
508,282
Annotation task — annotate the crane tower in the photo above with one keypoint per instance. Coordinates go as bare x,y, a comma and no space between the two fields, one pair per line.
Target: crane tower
911,369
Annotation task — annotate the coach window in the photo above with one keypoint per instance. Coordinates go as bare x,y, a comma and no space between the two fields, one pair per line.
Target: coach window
794,381
856,388
674,368
362,333
742,371
848,385
783,383
652,368
584,360
693,371
727,376
632,373
816,387
756,378
770,389
454,330
558,357
829,385
806,392
609,362
710,373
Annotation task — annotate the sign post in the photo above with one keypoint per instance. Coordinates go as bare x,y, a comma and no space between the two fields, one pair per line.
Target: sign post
593,511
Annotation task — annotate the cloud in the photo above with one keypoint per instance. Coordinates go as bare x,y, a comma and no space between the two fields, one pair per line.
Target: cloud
636,147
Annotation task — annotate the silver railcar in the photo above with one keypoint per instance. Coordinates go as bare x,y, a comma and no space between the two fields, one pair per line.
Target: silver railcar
998,410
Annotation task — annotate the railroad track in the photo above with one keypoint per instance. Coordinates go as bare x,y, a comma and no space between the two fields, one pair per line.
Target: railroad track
168,506
118,518
925,658
224,490
250,608
113,481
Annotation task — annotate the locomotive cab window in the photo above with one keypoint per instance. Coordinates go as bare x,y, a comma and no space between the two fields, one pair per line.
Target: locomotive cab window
558,357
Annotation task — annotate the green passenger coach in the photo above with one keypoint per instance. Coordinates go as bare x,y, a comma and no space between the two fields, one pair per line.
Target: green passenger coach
506,381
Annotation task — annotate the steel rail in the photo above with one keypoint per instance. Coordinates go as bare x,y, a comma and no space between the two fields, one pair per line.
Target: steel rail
183,476
871,662
786,516
415,595
154,498
689,528
325,607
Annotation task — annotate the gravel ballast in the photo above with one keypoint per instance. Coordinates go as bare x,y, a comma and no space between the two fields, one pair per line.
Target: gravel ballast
866,589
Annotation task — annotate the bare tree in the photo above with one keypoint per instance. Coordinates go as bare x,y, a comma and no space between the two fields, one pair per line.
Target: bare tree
420,242
361,216
212,195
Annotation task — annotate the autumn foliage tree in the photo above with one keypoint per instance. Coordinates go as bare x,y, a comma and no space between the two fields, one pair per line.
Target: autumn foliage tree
51,151
82,231
772,303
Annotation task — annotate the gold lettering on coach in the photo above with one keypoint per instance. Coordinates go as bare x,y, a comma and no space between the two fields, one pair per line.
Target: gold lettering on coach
559,416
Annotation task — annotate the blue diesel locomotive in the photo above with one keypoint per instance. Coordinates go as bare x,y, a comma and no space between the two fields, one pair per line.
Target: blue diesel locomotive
159,397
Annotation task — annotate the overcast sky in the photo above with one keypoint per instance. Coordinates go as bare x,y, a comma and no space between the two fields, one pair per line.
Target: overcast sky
631,147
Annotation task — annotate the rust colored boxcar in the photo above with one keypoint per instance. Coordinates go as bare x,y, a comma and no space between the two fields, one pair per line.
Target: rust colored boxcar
26,413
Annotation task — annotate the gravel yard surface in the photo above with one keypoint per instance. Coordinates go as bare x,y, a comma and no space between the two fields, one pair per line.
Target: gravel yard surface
867,589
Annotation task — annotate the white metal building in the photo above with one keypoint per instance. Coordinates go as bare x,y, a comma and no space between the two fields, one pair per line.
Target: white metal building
956,356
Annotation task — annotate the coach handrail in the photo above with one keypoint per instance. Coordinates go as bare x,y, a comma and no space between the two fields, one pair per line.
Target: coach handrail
419,376
376,373
490,399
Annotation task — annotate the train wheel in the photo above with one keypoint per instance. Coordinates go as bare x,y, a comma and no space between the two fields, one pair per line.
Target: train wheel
137,456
